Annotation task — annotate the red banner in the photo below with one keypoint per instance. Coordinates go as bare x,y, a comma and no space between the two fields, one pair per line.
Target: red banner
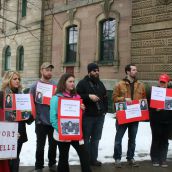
137,110
18,107
69,119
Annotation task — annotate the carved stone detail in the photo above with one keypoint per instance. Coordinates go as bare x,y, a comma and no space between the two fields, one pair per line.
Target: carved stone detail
106,6
71,15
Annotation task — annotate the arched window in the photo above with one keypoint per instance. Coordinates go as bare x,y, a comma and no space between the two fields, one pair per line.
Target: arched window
107,39
20,58
71,44
7,61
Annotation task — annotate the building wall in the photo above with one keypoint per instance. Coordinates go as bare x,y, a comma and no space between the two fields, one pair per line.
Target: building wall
152,37
86,12
25,31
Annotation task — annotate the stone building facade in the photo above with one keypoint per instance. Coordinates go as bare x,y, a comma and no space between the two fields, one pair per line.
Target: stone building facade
152,37
88,16
21,37
73,33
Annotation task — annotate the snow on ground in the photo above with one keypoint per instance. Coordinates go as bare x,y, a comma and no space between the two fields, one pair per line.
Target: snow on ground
106,145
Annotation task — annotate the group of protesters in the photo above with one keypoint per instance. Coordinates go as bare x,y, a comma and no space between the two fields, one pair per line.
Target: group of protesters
95,105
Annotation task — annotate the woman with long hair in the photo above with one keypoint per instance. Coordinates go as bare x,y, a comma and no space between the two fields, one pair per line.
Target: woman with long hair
66,88
11,84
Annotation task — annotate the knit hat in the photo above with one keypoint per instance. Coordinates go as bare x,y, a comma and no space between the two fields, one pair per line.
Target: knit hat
164,78
92,67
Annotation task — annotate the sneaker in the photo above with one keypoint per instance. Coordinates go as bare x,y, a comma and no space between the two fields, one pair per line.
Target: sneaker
155,164
133,163
96,163
53,168
118,163
164,164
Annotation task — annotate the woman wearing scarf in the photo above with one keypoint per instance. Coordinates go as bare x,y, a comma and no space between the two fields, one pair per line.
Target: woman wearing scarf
11,84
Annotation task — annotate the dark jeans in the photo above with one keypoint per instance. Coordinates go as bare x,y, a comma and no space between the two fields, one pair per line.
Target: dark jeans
159,146
42,131
92,131
63,165
14,163
120,131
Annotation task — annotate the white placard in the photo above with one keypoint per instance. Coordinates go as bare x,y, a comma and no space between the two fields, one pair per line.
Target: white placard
133,111
23,102
158,93
70,108
8,140
45,89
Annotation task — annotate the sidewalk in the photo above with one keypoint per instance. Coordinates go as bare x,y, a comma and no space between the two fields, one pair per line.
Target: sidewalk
145,166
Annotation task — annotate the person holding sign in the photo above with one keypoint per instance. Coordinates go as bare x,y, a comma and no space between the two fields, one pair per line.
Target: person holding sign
160,122
126,90
11,84
43,126
66,88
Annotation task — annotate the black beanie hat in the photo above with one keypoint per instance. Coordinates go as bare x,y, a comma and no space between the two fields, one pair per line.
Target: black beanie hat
91,67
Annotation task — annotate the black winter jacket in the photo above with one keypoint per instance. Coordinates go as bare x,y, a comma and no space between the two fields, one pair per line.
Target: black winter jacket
84,88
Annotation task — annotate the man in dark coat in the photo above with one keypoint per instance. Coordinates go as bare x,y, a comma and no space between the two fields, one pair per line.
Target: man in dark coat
94,96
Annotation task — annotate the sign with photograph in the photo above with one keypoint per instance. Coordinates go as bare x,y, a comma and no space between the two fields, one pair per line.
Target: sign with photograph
18,107
44,93
137,110
70,118
8,140
161,98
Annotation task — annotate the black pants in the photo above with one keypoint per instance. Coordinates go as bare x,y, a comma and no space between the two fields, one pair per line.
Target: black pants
42,131
159,147
63,165
14,163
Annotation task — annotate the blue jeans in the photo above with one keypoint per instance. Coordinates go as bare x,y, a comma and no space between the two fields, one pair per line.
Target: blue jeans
92,131
120,131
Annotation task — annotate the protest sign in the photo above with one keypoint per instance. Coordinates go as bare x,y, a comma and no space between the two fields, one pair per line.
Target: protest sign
70,118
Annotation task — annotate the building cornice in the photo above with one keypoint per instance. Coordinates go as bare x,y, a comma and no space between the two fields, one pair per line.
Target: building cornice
66,7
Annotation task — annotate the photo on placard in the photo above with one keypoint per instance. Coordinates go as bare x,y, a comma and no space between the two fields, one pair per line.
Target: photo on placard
168,103
70,126
10,115
8,101
25,114
121,106
39,97
143,104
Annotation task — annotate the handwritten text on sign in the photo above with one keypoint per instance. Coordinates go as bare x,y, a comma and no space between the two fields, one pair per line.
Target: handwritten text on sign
133,111
45,89
23,102
70,108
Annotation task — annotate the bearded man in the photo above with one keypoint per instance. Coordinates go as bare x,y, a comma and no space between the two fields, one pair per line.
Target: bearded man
94,95
43,127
